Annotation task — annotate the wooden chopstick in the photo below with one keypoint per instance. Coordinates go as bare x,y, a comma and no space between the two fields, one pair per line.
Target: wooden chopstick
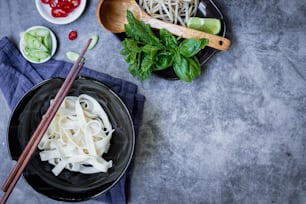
30,148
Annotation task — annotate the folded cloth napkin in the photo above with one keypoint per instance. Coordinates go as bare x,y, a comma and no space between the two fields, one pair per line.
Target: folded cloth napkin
17,76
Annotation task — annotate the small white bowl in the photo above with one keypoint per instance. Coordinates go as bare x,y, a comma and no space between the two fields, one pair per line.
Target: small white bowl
45,11
53,39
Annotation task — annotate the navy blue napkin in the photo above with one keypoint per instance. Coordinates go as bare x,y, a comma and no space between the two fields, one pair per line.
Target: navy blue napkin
17,76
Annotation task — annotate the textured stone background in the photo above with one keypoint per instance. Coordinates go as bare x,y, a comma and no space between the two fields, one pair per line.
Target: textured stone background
237,134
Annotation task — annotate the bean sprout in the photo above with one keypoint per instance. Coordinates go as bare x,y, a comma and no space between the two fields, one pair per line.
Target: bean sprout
174,11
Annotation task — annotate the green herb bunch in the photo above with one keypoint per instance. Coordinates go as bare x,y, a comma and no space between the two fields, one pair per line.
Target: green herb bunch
146,53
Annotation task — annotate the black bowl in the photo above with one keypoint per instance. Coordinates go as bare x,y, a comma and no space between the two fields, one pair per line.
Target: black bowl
71,186
207,9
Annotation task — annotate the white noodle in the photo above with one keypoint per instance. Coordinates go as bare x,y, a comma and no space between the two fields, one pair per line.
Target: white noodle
77,137
174,11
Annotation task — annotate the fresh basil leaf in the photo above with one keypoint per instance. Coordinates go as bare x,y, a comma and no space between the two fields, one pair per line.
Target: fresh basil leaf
190,47
130,50
180,67
194,67
204,42
139,31
186,68
130,45
131,57
163,60
125,51
133,69
150,49
144,75
168,39
150,38
146,62
146,53
145,69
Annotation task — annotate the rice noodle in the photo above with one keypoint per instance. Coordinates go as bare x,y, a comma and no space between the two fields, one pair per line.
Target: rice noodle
174,11
77,137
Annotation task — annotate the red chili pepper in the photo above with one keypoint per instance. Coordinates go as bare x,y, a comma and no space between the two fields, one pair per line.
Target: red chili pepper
74,3
58,12
72,35
53,3
65,6
45,1
62,8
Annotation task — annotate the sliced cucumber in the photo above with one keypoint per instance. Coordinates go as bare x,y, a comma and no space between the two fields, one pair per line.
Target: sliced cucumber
33,42
39,32
39,54
73,56
94,41
37,44
29,56
47,41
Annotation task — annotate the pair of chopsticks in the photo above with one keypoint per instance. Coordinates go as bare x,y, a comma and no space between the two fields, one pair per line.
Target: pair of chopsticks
30,148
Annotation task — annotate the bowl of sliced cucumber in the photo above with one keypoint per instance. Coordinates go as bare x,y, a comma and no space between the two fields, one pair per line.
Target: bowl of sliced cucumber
37,44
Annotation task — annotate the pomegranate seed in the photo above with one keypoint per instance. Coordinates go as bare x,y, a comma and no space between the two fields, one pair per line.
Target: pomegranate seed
72,35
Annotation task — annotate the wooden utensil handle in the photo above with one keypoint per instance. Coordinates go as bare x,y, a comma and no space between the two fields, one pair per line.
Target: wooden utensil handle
214,41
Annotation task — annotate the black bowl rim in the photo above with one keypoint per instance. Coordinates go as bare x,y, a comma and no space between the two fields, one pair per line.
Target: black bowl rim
133,143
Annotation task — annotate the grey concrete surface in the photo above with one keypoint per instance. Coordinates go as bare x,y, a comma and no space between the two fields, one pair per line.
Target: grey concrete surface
237,134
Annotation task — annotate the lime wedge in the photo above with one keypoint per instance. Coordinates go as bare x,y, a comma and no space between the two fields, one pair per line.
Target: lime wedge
208,25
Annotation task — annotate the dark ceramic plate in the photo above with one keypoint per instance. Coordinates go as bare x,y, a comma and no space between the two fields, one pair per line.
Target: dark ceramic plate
208,9
71,186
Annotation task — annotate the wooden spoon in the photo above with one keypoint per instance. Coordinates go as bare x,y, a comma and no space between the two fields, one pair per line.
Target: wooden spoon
111,14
